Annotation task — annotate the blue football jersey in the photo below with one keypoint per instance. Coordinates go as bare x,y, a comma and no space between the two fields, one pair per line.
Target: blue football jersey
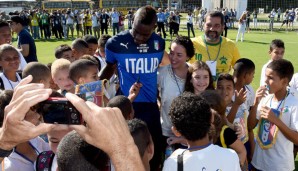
136,62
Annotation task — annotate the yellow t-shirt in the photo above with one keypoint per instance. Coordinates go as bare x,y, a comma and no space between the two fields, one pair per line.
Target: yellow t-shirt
88,20
226,49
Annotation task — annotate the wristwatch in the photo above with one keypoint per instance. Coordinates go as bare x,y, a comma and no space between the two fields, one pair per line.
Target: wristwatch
5,153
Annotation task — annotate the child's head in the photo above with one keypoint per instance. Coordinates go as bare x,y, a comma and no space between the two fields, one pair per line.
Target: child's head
79,48
181,50
142,138
226,87
124,104
64,51
199,78
92,43
5,98
9,58
40,73
277,49
244,69
102,44
186,112
278,75
60,74
74,153
83,71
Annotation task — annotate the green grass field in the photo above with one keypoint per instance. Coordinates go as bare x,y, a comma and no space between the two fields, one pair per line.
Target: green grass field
255,47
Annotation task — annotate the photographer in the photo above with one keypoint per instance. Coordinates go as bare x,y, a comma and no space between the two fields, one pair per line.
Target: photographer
69,22
106,129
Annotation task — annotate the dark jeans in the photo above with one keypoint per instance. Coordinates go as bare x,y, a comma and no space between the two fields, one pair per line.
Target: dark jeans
161,27
115,27
190,27
104,27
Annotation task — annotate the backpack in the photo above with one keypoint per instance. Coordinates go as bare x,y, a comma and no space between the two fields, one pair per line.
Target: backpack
44,161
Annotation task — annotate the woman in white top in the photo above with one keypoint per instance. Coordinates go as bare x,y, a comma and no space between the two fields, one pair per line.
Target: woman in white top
241,27
171,79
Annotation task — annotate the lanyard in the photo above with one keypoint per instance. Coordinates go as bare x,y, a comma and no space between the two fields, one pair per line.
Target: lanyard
10,82
25,157
208,49
282,101
176,80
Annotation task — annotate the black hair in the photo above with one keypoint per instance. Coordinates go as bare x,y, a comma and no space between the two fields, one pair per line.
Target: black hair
73,153
78,44
3,24
243,66
187,44
38,71
61,49
146,15
283,68
197,65
140,134
277,43
80,68
7,47
215,14
90,39
103,40
17,19
5,98
123,103
191,116
227,77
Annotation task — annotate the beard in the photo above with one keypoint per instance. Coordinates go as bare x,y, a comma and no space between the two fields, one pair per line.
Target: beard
212,36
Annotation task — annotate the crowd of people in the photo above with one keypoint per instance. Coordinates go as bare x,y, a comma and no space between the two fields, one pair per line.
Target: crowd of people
194,105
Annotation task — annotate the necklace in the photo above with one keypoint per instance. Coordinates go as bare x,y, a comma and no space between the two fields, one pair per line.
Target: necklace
176,81
208,49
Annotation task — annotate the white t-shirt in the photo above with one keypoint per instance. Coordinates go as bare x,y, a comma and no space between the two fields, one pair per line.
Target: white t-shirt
209,158
189,19
169,89
23,62
94,21
16,162
280,156
263,73
80,18
69,18
294,81
8,84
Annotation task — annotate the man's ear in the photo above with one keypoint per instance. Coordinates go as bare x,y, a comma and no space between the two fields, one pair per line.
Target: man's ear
150,149
176,132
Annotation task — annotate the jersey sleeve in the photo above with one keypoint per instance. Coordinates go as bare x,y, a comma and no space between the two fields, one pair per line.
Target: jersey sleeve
230,136
24,39
110,55
294,118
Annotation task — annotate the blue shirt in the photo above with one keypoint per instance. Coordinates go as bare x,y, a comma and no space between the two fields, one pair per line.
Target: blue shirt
136,62
24,37
161,17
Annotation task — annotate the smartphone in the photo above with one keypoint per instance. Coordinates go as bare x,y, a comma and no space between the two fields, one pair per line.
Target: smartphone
60,111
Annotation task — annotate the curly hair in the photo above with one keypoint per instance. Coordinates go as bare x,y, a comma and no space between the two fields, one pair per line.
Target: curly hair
187,44
191,116
197,65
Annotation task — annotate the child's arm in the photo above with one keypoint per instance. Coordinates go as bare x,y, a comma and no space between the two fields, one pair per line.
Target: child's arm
252,120
134,91
268,114
240,98
240,150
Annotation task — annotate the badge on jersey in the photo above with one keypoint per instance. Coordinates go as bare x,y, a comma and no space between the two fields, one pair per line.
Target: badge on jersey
156,45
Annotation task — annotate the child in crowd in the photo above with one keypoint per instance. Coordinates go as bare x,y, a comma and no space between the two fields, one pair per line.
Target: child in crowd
53,86
24,154
74,153
64,51
9,61
199,78
171,78
83,71
40,73
224,135
124,104
60,75
79,48
92,43
276,52
186,112
275,110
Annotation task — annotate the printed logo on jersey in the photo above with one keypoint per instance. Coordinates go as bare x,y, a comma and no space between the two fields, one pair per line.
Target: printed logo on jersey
156,45
141,65
223,60
125,45
143,48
